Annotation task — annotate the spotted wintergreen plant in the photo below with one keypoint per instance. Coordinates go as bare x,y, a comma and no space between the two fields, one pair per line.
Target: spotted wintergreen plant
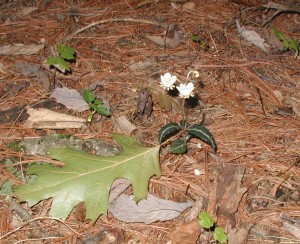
184,130
207,222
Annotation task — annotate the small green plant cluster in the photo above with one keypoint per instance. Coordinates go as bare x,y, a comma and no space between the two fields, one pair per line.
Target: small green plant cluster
95,105
207,222
66,54
8,185
184,131
287,42
202,43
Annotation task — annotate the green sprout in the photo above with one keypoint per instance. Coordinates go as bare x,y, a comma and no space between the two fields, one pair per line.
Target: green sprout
66,54
95,105
287,42
207,222
202,43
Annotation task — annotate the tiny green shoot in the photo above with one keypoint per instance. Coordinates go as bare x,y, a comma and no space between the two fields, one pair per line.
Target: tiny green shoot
207,222
202,43
66,54
287,42
95,105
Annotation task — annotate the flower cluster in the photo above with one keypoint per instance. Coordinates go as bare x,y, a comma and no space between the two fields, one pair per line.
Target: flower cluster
167,81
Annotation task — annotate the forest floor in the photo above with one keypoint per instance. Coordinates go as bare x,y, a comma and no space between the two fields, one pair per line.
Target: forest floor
247,97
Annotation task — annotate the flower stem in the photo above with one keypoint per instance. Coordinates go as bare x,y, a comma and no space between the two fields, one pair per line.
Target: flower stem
183,109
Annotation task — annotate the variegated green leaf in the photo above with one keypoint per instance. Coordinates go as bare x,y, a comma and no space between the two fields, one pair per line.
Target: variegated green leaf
203,134
167,131
178,146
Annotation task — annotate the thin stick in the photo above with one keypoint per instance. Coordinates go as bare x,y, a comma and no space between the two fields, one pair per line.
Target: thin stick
67,38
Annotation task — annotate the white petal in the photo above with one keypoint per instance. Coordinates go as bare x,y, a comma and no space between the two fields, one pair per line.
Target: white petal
167,76
190,85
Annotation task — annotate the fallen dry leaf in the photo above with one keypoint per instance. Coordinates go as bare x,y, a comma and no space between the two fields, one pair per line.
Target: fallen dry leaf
139,66
171,39
273,40
70,98
123,124
145,104
34,71
147,210
189,6
21,49
187,233
253,37
41,118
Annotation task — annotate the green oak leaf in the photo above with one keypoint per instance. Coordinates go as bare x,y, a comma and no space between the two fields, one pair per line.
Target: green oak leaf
88,178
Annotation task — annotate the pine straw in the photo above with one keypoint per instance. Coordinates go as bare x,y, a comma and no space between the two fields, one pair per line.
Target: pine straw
238,103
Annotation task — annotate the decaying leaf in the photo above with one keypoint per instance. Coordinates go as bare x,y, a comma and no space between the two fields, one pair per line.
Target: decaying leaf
41,118
147,210
88,178
21,49
273,40
187,233
171,39
70,98
145,104
123,124
34,71
253,37
139,66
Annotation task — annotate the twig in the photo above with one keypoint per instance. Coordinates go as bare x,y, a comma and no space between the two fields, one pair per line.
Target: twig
38,232
24,215
67,38
279,10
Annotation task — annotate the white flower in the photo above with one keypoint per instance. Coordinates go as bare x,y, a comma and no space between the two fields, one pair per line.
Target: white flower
186,91
197,172
167,81
195,73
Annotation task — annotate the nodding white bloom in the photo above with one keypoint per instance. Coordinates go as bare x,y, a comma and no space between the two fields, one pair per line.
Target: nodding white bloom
167,81
186,91
195,73
197,172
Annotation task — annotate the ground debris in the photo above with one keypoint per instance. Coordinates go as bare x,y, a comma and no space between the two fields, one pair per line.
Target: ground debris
41,146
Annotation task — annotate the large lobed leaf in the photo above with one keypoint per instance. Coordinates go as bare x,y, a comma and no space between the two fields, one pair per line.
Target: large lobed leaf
87,178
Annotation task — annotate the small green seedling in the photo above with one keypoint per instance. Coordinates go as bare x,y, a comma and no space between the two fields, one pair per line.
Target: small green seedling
66,53
287,42
95,105
207,222
8,185
202,43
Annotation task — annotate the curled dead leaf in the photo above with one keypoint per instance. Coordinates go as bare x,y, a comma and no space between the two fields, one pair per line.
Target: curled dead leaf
171,39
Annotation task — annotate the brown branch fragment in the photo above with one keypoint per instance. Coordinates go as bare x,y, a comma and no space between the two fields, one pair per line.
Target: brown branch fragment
67,38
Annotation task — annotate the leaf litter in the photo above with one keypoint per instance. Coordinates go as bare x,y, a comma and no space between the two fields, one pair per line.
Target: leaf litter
237,92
